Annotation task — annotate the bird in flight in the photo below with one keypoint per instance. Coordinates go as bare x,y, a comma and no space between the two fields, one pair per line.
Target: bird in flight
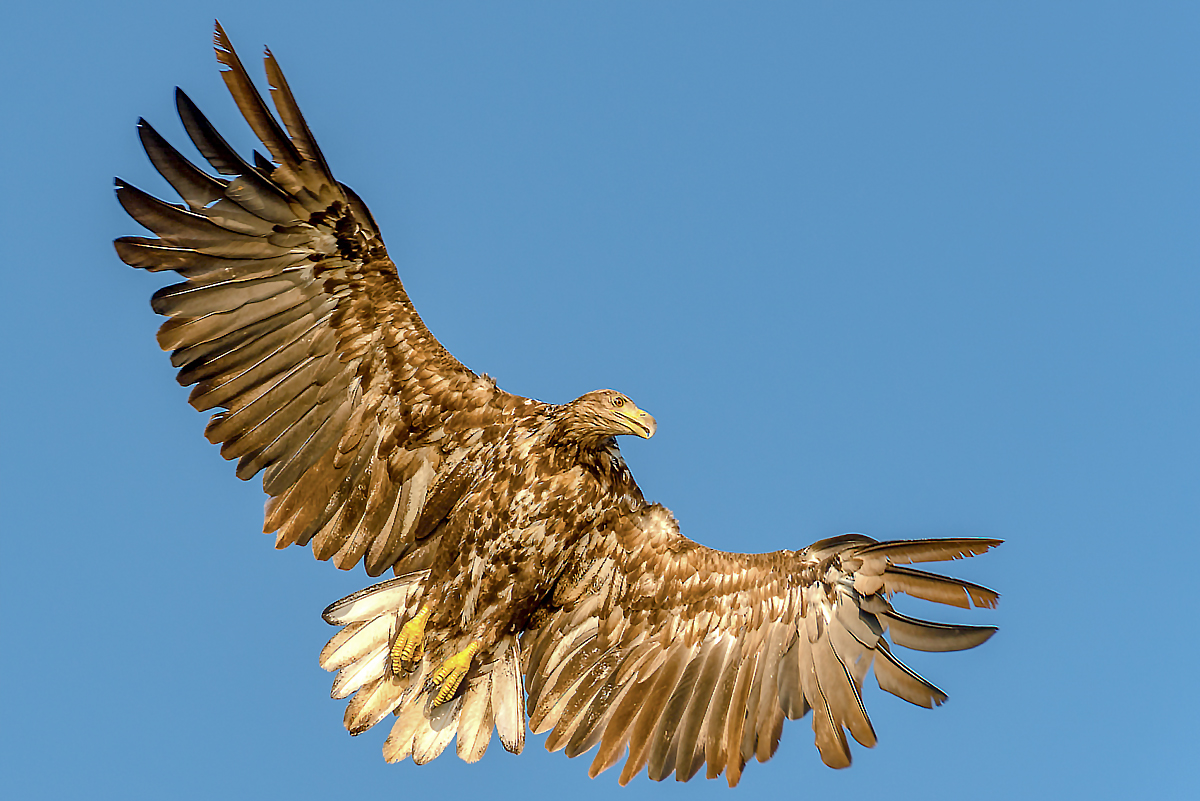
534,585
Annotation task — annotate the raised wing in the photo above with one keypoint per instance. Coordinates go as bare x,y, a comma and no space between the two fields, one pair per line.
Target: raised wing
294,324
690,656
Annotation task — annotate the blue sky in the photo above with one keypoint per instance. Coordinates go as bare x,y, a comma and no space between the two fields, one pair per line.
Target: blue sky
918,269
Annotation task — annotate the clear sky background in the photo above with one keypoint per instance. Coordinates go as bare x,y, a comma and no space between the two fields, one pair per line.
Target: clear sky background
910,269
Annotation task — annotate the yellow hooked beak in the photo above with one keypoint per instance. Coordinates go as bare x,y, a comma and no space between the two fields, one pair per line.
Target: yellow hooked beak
640,422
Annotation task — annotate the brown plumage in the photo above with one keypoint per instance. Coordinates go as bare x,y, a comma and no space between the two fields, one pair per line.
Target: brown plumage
521,545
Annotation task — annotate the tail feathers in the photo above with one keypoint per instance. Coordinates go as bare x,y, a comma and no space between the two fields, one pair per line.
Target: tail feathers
492,695
476,718
396,594
508,697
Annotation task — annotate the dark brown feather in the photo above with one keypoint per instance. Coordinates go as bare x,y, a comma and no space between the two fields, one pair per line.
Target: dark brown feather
923,635
249,189
940,589
251,104
197,188
240,350
289,112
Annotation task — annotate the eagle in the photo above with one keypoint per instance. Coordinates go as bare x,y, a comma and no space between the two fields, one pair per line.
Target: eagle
534,585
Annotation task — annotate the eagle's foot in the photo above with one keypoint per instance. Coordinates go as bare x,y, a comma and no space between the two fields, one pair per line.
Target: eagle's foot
410,642
451,672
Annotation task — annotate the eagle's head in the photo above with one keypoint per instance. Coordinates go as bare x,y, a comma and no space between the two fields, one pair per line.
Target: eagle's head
601,414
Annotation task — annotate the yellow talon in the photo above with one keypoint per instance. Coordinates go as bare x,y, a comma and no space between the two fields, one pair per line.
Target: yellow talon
451,672
410,642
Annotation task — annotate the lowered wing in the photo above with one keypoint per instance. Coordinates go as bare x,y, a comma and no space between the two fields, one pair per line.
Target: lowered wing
687,657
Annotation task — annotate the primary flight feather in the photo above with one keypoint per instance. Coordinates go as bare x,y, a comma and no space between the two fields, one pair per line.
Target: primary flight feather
534,583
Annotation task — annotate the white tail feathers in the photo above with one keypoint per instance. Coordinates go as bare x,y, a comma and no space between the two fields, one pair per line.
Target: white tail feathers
493,694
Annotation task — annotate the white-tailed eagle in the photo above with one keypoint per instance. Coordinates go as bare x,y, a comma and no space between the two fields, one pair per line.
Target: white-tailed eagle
534,584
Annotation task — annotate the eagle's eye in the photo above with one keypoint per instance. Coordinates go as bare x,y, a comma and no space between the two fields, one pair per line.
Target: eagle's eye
618,401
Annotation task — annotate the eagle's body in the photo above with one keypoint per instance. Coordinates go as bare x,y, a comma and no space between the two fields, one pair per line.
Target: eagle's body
534,492
529,567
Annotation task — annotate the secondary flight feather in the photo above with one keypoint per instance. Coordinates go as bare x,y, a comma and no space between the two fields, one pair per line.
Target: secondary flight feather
534,584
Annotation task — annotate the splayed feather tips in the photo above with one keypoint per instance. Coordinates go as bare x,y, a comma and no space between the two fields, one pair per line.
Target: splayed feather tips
520,542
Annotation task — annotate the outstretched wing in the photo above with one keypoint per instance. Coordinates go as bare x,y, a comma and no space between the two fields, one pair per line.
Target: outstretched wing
294,324
691,656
